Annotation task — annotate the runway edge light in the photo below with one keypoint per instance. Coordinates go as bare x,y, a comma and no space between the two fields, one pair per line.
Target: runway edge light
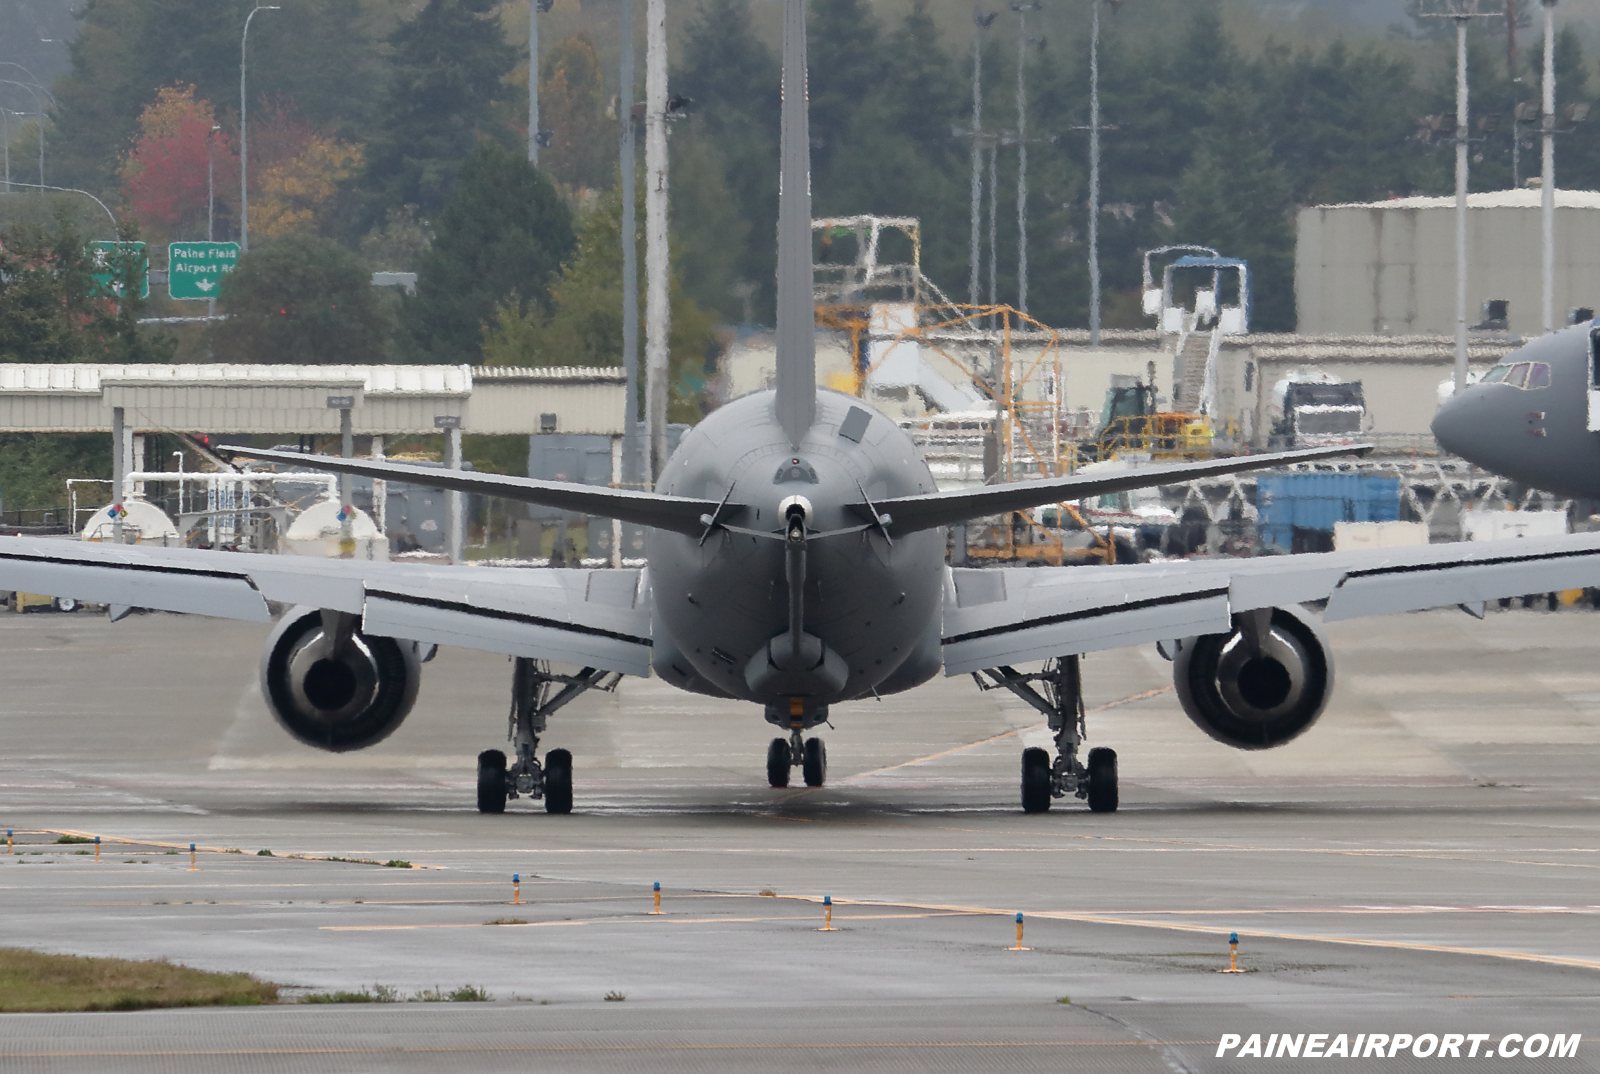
1019,946
1233,954
827,911
657,910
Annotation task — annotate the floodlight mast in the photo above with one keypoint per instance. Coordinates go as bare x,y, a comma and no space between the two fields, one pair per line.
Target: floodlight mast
633,470
1547,182
1461,12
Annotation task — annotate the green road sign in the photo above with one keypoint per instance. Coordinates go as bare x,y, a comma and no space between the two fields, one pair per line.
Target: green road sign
195,269
105,285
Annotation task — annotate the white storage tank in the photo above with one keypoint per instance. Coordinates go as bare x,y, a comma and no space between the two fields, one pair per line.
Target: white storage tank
318,530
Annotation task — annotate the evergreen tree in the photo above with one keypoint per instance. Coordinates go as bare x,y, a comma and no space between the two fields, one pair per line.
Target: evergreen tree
53,309
301,299
732,77
585,324
1234,198
846,68
1334,125
504,232
448,69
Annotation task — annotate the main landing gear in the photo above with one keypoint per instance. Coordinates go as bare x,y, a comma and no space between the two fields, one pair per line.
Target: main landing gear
533,699
810,755
1060,697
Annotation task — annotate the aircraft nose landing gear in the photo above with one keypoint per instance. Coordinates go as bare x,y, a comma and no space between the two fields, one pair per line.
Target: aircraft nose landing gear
809,755
1061,701
532,702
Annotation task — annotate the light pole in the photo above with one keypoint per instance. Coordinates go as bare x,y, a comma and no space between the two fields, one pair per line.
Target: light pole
211,201
1094,175
1547,184
658,313
980,21
633,471
536,137
1461,12
1022,8
244,151
34,91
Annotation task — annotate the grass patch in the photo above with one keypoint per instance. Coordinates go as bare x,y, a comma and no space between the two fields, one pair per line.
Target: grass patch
378,993
615,997
769,893
464,994
263,853
396,863
506,921
33,981
74,839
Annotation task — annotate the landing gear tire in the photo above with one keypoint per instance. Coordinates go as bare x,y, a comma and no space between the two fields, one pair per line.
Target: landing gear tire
558,782
491,782
1102,780
778,762
1035,780
815,764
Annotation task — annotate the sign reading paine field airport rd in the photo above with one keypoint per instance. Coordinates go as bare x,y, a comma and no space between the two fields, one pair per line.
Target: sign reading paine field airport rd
195,269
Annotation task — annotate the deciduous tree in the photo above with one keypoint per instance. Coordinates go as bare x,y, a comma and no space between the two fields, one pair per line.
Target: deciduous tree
303,299
165,179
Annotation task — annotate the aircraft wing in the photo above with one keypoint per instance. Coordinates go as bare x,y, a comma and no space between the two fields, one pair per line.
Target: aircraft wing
681,514
1002,616
909,514
598,618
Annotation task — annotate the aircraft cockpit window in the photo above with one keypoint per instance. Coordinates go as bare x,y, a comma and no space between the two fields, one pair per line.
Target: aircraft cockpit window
1525,375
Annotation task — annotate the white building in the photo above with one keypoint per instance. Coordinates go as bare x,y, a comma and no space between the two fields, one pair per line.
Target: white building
1388,267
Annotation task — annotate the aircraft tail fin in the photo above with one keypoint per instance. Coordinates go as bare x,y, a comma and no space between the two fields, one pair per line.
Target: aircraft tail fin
796,342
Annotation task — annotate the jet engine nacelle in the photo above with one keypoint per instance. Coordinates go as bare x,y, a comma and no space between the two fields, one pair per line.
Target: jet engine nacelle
345,700
1259,686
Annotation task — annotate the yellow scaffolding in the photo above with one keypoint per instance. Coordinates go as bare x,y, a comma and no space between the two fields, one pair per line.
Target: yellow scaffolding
1028,426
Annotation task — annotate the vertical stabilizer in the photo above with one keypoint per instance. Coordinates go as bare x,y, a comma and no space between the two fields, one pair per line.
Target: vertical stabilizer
797,357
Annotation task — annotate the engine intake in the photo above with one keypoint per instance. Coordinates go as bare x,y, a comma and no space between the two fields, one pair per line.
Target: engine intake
337,701
1256,694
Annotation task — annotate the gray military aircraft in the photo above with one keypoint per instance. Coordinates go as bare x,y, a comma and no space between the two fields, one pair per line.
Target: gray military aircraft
1534,417
796,561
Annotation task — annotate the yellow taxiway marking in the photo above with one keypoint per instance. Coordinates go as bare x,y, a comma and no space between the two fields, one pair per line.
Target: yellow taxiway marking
1092,918
1014,732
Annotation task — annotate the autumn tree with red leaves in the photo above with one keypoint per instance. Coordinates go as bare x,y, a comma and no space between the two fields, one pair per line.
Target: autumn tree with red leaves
164,176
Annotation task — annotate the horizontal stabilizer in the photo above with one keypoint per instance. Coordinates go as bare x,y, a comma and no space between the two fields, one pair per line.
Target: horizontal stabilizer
677,513
912,513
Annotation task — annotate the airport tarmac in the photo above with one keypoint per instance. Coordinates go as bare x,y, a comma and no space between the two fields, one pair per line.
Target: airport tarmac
1424,860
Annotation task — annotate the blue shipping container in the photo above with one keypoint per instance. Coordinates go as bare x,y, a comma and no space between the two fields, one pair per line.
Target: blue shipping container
1316,501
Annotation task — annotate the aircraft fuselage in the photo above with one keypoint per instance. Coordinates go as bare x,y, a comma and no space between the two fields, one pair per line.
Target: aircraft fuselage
1531,427
873,603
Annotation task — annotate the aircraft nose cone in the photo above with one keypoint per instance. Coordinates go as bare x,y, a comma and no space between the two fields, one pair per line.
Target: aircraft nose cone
1486,425
1453,425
